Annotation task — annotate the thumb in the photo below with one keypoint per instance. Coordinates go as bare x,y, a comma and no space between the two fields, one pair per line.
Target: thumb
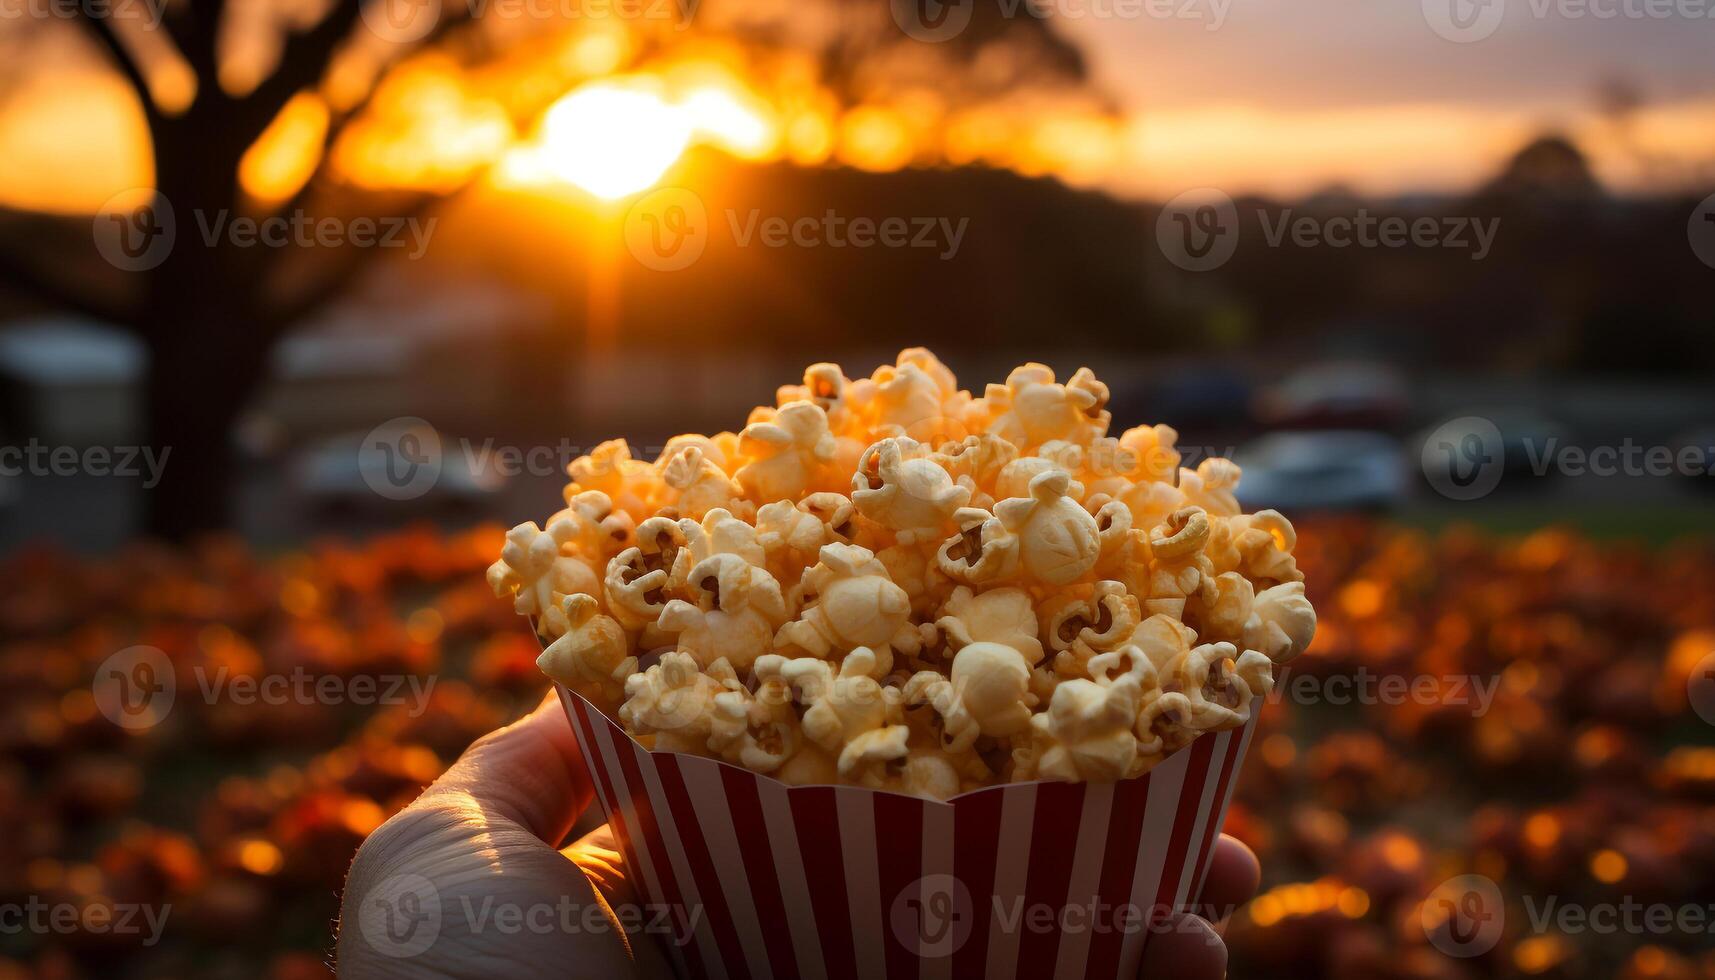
530,772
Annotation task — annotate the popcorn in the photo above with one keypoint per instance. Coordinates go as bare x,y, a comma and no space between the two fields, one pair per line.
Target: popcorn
910,494
536,571
917,397
808,766
1058,541
1220,684
1281,623
841,708
758,731
673,701
735,610
1178,566
984,552
1086,733
788,454
976,461
915,571
1005,616
593,528
855,605
992,681
875,758
885,582
1079,627
1211,485
1031,409
720,533
1259,545
636,593
791,533
631,484
1113,531
700,484
591,655
824,386
951,724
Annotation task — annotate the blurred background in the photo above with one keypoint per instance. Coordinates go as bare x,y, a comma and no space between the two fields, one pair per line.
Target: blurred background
301,304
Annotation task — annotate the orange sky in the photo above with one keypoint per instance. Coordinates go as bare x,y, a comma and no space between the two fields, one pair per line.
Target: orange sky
70,146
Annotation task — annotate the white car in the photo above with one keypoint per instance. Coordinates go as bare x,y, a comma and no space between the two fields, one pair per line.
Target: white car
1322,470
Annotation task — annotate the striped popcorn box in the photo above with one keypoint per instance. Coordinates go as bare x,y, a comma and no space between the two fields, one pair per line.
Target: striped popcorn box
1028,880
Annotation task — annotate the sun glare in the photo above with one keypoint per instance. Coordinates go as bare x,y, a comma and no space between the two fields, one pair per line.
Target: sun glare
612,140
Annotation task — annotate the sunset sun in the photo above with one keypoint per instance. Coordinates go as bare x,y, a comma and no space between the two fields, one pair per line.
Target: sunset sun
612,140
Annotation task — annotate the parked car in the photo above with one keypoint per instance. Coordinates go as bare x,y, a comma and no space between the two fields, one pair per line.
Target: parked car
1337,395
1322,470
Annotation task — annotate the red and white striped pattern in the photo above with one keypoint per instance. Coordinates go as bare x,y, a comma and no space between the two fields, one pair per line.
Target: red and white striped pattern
841,883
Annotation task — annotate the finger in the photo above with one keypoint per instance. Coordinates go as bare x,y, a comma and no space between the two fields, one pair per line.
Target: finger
1184,946
530,773
1234,874
645,928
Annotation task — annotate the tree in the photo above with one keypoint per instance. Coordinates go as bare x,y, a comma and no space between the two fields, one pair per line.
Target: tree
210,313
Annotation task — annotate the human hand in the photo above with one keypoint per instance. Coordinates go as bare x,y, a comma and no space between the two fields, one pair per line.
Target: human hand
470,881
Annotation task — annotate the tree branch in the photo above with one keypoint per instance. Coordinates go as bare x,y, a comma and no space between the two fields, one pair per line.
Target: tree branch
106,32
353,263
304,59
194,27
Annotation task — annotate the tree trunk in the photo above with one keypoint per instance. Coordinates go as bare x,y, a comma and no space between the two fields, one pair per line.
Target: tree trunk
201,376
208,352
